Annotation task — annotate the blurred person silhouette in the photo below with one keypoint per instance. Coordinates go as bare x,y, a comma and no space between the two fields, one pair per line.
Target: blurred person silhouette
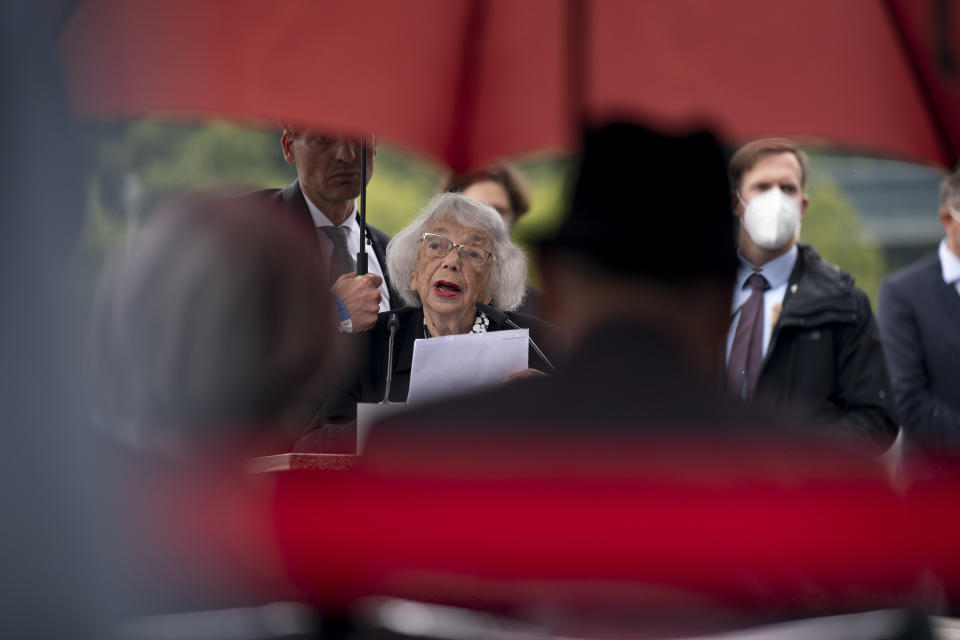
636,409
323,202
801,333
208,330
919,309
501,186
209,344
455,254
57,550
644,326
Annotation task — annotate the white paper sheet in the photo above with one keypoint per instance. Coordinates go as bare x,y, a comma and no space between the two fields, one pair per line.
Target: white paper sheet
457,364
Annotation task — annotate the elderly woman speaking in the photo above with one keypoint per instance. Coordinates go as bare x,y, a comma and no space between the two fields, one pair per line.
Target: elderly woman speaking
456,253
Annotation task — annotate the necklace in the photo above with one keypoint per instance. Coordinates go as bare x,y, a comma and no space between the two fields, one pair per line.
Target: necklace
480,324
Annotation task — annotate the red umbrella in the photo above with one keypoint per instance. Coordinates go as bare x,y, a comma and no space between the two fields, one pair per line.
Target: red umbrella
466,81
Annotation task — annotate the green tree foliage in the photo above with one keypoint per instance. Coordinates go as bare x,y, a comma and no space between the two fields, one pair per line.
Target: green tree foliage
547,180
138,164
401,185
832,226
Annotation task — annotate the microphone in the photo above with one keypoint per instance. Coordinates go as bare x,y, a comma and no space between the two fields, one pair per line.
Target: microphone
392,324
501,317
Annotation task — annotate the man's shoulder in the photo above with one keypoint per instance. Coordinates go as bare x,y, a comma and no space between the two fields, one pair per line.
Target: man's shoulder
822,289
914,274
826,274
288,196
265,194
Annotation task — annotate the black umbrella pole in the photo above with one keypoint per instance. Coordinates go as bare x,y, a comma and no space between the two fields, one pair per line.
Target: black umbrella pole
362,253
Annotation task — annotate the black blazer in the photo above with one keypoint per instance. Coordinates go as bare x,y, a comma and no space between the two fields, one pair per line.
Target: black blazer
294,202
623,380
919,317
825,357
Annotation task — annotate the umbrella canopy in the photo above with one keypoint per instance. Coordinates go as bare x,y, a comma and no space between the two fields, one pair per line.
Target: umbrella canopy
467,81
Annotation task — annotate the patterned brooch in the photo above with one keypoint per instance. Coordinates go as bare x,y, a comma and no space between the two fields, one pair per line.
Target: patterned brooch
481,323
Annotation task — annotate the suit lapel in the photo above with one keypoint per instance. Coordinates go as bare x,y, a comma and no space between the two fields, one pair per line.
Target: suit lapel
380,252
295,202
945,293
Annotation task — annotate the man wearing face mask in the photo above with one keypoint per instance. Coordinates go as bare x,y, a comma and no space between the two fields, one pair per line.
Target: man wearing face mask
801,336
919,309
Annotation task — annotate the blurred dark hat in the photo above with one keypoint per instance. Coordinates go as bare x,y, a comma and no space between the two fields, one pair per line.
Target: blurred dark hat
648,204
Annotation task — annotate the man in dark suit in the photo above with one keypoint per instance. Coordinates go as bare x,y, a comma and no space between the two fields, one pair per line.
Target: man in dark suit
323,199
919,314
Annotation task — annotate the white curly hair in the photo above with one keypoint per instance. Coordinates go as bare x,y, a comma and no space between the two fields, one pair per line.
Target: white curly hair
508,273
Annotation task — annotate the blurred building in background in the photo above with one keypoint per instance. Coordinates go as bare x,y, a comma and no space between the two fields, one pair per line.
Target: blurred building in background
897,201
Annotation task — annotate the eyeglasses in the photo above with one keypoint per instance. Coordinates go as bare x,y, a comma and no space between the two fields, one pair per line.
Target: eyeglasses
437,246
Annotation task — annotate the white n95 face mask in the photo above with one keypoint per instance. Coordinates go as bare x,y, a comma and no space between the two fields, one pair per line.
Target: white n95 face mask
771,218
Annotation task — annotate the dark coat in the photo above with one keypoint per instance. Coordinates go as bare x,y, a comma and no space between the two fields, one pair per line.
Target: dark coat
619,375
825,357
919,317
623,381
369,384
294,201
625,416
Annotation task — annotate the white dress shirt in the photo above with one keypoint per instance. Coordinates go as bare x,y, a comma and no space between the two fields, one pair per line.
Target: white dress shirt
353,244
777,272
950,264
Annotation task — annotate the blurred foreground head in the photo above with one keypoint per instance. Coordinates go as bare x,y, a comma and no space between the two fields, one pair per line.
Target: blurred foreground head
211,329
649,238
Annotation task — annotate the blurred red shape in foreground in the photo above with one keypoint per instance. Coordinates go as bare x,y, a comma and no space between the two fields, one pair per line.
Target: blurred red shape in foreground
466,81
630,526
